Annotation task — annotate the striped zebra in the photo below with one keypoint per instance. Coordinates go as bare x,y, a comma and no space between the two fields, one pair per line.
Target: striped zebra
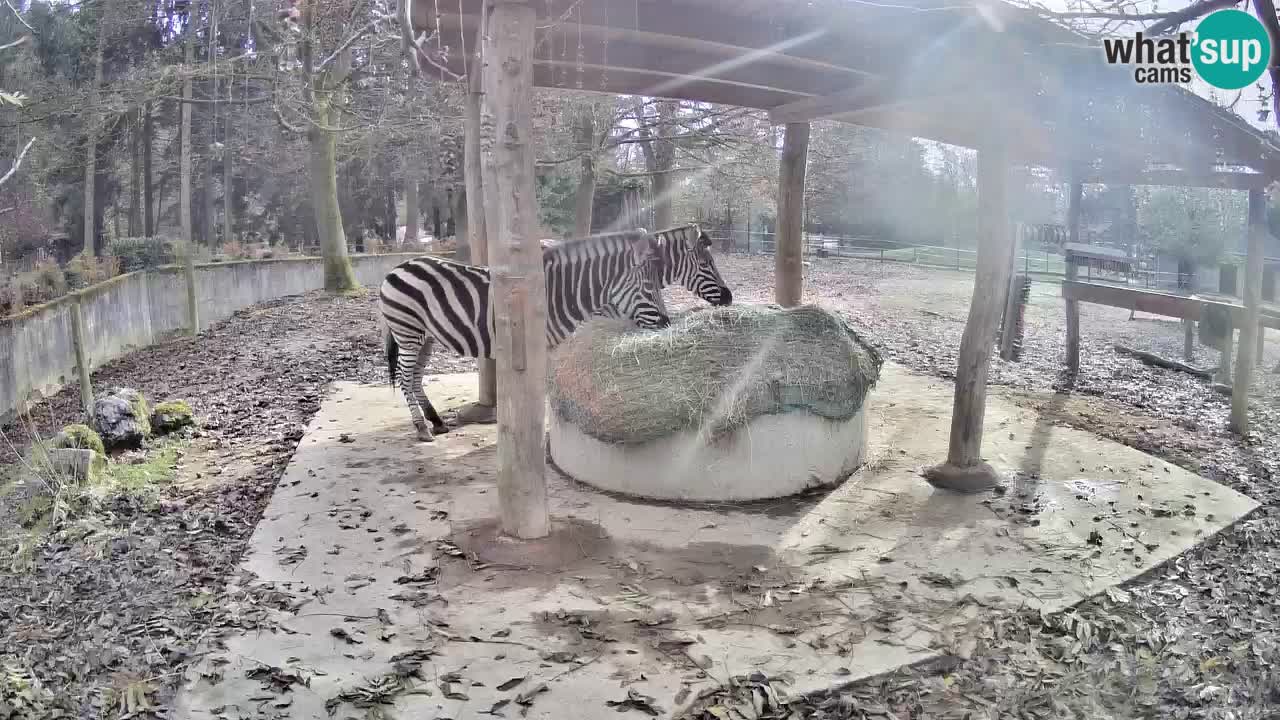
684,253
429,299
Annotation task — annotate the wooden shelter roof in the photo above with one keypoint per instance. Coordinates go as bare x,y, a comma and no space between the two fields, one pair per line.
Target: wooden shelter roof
960,73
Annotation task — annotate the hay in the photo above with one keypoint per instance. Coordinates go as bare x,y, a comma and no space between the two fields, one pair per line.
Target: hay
713,369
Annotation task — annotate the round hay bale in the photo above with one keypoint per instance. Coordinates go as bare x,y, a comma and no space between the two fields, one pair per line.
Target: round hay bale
726,404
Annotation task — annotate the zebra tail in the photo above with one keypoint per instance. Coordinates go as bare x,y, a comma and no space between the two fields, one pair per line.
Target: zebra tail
393,352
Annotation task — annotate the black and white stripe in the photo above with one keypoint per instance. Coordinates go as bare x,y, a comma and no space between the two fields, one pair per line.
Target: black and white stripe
429,299
684,253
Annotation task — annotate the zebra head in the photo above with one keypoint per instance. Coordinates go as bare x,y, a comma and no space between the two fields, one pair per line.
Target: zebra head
687,260
639,296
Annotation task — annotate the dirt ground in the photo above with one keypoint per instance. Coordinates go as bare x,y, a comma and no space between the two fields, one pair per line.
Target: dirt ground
110,612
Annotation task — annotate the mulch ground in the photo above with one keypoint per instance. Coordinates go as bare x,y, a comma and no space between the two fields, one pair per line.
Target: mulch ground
107,615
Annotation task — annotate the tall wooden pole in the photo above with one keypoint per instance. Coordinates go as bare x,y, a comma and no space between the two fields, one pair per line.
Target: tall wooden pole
788,255
484,410
1246,358
1073,308
964,469
519,286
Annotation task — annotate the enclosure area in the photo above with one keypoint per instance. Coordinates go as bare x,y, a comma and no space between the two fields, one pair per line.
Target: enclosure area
347,520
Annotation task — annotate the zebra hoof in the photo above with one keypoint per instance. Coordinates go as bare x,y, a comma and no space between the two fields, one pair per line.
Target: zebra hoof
424,435
440,429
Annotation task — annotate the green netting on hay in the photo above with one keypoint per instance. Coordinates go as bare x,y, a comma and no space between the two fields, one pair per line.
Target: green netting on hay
714,368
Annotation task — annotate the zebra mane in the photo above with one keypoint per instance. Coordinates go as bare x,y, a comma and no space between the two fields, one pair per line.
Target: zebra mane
592,246
680,233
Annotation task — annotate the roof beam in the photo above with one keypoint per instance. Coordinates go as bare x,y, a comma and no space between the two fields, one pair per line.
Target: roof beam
566,35
622,80
1183,178
818,42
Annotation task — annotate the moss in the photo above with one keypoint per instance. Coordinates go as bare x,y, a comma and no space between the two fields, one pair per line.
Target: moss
142,413
79,436
171,416
175,407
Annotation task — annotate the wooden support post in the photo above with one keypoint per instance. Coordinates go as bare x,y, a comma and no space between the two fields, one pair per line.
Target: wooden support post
788,255
964,469
78,339
1073,307
519,285
484,410
1247,357
189,273
1227,347
1008,326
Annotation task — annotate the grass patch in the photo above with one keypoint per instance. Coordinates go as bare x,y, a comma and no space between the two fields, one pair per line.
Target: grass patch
159,469
41,505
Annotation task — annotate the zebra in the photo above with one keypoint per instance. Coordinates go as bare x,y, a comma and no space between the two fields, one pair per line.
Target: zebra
685,259
430,299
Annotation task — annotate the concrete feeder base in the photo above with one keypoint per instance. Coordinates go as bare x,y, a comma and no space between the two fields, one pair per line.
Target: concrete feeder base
772,456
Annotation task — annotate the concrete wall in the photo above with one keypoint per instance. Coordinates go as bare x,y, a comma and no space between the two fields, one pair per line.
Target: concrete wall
37,354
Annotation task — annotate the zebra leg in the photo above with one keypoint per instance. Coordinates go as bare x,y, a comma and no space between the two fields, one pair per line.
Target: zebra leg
408,376
420,365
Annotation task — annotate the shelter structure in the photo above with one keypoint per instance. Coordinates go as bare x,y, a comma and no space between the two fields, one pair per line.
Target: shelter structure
975,73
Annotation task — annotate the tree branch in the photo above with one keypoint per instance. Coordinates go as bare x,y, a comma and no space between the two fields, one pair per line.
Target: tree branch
1190,12
284,122
1266,10
19,16
15,43
16,163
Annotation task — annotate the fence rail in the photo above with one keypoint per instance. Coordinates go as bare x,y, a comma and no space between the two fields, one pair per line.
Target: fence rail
1041,255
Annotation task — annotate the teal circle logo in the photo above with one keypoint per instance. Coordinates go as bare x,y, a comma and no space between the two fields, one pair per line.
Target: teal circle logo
1232,49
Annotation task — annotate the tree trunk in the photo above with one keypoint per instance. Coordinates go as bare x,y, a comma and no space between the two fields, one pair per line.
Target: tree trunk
338,274
585,199
519,288
789,251
659,158
184,193
412,169
391,221
210,195
91,139
228,201
411,209
149,218
462,247
135,178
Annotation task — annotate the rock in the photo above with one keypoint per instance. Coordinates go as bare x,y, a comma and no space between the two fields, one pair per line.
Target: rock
121,418
80,437
171,416
76,465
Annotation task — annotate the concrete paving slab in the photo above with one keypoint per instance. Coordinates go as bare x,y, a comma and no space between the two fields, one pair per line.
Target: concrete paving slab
394,546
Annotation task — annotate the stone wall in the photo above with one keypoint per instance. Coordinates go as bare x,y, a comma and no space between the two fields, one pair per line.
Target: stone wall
37,352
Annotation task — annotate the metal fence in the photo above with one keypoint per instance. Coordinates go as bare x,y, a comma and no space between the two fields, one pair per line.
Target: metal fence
10,266
1041,256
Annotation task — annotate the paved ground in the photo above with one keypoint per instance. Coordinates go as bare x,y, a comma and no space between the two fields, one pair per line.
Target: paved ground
387,546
